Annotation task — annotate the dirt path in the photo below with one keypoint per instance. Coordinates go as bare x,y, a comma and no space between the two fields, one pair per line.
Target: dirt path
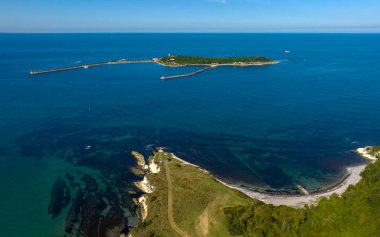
206,219
170,204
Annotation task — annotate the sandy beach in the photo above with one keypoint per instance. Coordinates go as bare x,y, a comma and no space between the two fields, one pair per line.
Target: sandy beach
301,200
298,201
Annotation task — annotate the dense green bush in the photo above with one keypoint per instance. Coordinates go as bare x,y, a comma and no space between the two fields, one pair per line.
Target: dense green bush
355,213
205,60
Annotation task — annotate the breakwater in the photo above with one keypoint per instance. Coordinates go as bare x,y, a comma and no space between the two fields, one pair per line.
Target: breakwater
85,66
186,75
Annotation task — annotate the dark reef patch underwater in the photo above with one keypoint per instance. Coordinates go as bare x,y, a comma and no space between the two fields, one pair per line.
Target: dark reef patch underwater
99,198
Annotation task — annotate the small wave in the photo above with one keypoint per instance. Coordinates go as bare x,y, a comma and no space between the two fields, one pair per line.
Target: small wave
149,147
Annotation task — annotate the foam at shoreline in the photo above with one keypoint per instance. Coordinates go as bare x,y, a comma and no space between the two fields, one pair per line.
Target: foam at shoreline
300,200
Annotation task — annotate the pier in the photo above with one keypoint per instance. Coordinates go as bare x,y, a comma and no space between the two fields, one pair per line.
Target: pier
85,66
121,61
187,75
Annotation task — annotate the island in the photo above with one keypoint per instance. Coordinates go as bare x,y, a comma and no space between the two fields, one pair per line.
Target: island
172,60
182,199
179,60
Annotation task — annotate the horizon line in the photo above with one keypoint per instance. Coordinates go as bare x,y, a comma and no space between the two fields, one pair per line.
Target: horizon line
189,32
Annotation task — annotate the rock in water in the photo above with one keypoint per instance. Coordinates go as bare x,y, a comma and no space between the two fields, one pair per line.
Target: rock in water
60,197
137,171
139,159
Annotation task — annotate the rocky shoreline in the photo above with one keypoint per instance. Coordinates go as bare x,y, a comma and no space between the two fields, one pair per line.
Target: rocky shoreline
145,186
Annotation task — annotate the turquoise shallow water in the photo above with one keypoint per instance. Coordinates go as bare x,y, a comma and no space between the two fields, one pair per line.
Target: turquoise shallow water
264,127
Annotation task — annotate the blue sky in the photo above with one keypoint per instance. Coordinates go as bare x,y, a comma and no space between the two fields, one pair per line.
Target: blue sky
190,16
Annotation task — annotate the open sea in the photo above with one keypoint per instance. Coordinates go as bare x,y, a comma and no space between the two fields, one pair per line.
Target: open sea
267,128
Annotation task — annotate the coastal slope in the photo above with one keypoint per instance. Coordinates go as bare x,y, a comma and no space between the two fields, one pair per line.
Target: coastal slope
187,201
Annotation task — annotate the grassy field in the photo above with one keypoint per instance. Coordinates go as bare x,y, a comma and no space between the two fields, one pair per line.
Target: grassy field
198,202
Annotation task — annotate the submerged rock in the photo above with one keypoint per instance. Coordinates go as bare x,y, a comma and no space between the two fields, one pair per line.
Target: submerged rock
101,200
137,171
60,197
92,208
74,215
71,180
91,185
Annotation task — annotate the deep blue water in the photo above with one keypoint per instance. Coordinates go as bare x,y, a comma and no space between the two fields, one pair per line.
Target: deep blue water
265,127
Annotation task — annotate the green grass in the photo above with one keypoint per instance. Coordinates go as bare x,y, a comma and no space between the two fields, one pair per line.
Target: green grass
198,201
374,150
184,60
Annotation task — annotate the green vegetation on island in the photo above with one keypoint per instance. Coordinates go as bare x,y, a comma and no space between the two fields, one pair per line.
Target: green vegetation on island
190,60
202,206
